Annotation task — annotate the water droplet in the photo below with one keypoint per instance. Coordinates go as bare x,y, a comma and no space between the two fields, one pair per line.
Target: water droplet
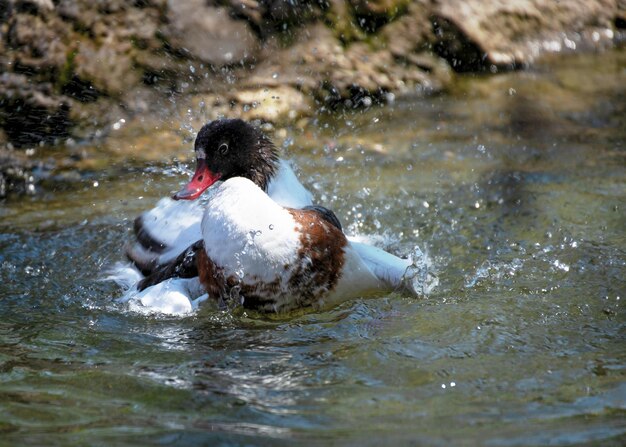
192,69
561,265
569,43
271,227
274,75
288,142
118,124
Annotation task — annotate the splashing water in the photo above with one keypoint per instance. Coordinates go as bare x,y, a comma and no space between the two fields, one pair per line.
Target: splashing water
420,278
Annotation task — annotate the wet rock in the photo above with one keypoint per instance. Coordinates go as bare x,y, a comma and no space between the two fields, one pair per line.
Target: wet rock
287,10
209,34
160,69
411,32
280,103
80,15
74,65
38,44
476,35
107,37
31,113
356,76
344,24
32,6
378,7
620,15
5,11
16,171
251,10
270,15
372,14
108,69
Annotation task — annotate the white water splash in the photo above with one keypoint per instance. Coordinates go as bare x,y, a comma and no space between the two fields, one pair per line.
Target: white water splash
420,277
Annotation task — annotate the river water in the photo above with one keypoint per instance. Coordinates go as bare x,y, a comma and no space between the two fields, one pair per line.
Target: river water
514,184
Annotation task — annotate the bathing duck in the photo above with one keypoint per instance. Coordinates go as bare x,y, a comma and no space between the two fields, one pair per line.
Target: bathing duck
256,236
224,149
273,258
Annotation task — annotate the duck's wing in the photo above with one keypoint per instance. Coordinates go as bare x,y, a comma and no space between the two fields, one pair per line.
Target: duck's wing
164,232
327,214
183,266
286,190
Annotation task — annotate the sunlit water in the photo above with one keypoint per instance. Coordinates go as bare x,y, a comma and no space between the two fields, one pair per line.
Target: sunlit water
516,187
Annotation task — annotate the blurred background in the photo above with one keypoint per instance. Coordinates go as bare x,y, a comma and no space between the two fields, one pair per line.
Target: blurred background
490,134
78,72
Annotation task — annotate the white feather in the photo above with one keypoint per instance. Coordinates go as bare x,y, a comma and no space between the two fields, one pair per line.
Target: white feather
249,234
286,190
172,221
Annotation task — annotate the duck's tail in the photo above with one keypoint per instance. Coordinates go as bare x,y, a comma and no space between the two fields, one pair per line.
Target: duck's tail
414,275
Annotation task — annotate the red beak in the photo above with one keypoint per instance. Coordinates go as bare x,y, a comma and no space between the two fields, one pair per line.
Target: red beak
202,179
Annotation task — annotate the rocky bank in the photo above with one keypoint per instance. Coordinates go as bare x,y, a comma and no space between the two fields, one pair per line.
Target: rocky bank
69,69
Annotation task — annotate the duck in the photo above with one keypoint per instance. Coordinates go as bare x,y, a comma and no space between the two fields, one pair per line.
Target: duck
257,237
274,259
223,149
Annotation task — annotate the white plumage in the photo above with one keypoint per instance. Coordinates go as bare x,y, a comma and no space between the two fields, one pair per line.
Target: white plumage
247,233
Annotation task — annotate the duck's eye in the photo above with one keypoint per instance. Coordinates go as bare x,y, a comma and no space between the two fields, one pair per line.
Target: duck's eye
223,148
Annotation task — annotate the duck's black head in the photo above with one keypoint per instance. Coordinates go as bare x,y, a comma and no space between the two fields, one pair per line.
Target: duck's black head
230,148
